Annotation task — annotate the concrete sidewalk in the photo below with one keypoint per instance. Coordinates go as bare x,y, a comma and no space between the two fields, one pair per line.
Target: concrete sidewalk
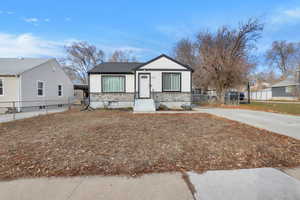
152,187
288,125
245,184
23,115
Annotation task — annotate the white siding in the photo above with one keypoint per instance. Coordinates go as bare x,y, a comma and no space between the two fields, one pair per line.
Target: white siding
11,86
163,63
265,94
156,80
52,75
130,83
95,83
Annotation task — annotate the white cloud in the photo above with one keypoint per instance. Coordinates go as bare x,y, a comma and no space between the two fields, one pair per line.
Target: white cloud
28,45
31,20
7,12
294,13
284,16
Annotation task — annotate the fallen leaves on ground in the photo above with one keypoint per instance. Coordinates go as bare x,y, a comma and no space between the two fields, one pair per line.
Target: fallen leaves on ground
121,143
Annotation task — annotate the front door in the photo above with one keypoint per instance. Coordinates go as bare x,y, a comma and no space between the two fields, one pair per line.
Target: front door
144,85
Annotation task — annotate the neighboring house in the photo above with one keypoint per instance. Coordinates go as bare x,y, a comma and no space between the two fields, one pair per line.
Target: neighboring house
80,88
160,81
288,89
27,83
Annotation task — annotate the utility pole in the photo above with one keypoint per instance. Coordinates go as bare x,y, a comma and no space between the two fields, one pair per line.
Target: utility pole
248,88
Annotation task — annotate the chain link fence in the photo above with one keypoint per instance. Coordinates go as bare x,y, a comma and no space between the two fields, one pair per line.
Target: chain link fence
11,110
231,98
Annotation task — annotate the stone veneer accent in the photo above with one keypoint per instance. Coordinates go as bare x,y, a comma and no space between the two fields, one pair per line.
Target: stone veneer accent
172,96
122,97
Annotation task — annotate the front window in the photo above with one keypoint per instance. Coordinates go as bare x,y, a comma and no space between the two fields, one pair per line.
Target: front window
171,82
113,83
59,90
40,88
1,87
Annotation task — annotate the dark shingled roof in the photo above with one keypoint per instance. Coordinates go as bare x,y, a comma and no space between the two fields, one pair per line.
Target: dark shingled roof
115,67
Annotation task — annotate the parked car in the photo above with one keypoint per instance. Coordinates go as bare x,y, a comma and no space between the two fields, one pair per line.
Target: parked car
234,96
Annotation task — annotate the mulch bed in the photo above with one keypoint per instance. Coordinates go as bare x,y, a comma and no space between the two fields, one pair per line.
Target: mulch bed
121,143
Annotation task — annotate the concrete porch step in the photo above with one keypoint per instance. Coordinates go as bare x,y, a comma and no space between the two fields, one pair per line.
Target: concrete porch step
144,105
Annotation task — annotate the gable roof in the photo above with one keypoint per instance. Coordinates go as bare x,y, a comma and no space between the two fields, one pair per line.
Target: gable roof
287,82
163,55
16,66
114,68
128,67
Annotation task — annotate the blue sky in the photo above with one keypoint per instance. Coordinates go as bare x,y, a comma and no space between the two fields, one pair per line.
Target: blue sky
148,28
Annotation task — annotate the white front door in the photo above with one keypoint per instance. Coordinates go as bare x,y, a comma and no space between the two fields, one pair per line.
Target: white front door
144,85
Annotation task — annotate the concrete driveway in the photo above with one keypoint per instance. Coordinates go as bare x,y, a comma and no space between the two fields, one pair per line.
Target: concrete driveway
288,125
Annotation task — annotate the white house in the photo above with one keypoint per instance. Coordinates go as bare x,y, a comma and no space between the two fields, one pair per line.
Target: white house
162,80
27,83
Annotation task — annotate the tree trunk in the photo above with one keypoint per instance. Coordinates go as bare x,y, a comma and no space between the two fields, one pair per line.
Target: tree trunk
221,96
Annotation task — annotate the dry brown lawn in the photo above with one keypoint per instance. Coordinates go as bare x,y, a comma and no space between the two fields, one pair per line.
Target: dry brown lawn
119,142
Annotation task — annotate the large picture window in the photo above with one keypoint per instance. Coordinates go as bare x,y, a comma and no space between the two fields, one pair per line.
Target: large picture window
1,87
171,82
40,88
113,83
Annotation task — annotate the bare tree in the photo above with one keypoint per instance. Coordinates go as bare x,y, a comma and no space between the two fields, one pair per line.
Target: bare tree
282,56
185,51
225,55
83,56
122,56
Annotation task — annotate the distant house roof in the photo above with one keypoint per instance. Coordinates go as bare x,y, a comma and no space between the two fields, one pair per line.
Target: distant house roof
16,66
287,82
115,67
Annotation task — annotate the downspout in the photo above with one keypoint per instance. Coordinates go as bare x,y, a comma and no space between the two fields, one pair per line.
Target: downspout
20,93
89,92
134,95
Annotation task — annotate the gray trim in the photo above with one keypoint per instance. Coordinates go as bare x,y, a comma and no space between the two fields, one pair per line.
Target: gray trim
162,81
113,76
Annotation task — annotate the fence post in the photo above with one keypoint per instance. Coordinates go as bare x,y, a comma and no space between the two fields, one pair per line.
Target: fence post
69,103
13,110
46,106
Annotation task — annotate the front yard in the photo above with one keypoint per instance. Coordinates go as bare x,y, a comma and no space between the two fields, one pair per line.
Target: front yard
119,142
286,108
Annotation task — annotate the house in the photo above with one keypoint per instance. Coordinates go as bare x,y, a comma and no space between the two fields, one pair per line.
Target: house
161,81
29,83
80,88
288,89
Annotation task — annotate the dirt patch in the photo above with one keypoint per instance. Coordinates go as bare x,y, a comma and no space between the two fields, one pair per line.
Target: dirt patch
121,143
